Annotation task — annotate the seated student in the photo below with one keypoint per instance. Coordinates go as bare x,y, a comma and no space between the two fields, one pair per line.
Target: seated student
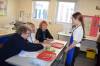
31,38
43,33
18,42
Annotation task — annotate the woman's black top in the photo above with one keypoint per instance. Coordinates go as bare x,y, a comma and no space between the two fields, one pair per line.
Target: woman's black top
43,35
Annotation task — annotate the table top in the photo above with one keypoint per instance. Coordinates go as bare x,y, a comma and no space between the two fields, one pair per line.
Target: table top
26,61
69,34
91,38
64,33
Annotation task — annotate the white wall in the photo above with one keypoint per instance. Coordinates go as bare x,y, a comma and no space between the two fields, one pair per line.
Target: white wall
11,12
87,7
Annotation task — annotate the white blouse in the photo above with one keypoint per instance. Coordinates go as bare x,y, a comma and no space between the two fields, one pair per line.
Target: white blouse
31,38
78,35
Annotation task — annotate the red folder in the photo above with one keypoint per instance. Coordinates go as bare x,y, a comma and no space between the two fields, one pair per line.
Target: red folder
47,56
57,45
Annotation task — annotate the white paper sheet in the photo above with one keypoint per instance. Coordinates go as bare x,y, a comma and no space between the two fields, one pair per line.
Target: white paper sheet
38,62
28,54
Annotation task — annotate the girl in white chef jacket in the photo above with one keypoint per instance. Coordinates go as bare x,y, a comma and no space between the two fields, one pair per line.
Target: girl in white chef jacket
75,39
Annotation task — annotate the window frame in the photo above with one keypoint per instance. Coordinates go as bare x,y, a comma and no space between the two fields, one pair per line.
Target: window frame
58,9
34,7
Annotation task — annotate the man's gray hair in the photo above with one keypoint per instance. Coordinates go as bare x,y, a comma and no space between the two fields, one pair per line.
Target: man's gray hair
22,29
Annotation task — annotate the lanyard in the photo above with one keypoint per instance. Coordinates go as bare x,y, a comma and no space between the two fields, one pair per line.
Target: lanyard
75,29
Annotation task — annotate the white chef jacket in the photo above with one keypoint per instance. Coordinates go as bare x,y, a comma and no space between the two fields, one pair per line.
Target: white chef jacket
78,35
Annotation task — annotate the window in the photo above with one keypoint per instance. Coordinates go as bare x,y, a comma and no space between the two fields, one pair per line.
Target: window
65,11
41,10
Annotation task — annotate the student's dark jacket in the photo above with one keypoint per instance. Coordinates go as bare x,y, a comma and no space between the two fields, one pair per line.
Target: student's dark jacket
15,44
98,43
39,35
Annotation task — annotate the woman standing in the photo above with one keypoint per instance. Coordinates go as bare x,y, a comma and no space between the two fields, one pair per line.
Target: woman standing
78,33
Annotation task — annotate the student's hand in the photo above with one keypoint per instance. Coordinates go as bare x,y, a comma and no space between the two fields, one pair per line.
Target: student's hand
49,39
47,45
66,50
45,42
36,41
70,47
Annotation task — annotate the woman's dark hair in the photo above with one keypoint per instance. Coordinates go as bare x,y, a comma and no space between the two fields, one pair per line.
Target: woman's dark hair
78,15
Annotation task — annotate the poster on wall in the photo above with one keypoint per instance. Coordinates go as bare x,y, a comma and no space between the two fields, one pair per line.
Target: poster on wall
94,26
87,20
99,28
3,7
99,24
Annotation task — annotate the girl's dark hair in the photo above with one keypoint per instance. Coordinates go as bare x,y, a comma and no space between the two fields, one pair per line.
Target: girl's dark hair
79,16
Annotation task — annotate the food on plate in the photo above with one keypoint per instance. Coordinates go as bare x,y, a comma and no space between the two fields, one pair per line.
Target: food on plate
50,49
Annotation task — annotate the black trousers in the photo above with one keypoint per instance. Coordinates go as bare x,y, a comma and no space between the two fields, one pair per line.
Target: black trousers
76,52
98,55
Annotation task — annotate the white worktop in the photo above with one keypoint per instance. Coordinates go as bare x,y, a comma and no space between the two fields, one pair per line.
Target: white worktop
27,61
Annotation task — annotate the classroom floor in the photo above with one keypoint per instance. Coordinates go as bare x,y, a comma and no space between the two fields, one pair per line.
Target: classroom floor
82,61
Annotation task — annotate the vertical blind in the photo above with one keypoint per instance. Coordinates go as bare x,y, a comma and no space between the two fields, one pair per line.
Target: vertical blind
68,0
58,0
40,0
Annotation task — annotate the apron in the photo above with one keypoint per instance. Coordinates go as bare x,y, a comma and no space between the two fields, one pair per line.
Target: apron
70,53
